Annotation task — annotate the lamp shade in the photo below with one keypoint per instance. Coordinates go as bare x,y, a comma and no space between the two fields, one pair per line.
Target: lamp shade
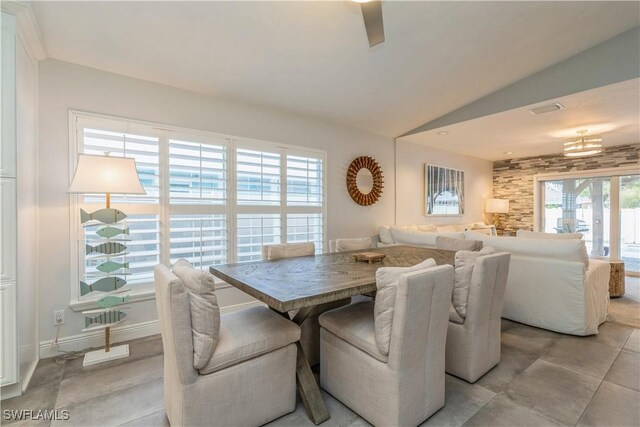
497,206
105,174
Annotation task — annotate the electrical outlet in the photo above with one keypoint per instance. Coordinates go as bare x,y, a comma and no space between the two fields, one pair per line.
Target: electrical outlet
58,317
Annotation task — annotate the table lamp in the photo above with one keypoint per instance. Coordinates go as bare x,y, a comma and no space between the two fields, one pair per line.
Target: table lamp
106,174
496,207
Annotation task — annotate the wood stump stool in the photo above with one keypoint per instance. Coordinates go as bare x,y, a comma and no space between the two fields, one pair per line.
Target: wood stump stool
616,279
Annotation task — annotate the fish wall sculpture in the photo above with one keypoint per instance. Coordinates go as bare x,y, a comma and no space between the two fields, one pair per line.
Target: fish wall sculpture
109,232
106,284
106,216
111,301
107,248
106,318
111,266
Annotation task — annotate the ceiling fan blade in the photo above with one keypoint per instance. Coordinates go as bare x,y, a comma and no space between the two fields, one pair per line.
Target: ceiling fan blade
372,15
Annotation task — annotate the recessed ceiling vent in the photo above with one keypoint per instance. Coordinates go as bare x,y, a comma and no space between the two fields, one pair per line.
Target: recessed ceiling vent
546,109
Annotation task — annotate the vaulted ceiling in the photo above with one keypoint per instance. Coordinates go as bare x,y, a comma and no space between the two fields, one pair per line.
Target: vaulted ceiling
312,58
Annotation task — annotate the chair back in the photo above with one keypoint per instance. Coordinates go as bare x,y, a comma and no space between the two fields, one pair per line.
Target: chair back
487,289
421,313
353,244
566,225
174,314
419,333
288,250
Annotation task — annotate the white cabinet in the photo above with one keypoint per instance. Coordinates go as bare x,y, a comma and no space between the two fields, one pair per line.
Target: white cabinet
8,152
9,359
8,230
8,207
18,200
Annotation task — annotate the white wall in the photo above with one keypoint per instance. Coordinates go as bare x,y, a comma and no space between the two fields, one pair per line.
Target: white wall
65,86
410,189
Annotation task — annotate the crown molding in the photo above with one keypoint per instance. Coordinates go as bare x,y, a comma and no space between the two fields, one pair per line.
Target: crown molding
28,30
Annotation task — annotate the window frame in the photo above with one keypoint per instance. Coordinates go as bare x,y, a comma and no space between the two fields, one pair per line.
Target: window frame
164,208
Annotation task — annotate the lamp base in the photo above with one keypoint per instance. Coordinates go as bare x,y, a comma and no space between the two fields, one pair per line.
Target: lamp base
100,356
496,220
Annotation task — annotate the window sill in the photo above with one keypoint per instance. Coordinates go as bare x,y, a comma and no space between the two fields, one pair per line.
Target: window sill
146,294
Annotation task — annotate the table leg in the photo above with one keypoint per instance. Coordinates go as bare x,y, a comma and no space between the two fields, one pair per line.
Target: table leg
302,314
307,385
309,390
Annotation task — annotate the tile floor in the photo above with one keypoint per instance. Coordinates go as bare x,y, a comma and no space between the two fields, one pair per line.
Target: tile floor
544,379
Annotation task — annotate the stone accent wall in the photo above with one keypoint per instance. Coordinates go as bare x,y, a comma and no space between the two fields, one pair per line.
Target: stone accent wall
513,179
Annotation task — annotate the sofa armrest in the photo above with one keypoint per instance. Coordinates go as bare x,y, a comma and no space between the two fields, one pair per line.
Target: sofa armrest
596,288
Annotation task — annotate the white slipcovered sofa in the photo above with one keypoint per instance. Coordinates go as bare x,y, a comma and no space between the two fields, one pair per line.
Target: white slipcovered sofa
552,283
425,235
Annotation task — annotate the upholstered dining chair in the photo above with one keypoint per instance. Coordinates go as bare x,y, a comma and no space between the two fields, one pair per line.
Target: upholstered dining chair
391,373
310,328
355,244
473,337
242,374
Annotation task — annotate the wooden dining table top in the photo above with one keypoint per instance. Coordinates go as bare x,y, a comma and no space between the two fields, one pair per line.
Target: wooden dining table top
293,283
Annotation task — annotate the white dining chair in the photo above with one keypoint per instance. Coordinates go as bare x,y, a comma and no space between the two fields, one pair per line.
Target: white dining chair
473,337
248,374
353,244
395,379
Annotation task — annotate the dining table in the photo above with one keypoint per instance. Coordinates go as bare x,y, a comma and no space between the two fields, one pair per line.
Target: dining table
302,283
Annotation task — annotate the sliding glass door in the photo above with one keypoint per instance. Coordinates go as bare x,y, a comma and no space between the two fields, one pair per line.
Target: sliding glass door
630,222
602,205
580,206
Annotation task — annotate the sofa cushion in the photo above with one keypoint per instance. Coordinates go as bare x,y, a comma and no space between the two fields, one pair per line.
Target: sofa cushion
289,250
419,238
454,316
537,235
205,313
387,283
343,245
384,231
573,250
248,333
449,228
465,261
429,228
354,323
450,244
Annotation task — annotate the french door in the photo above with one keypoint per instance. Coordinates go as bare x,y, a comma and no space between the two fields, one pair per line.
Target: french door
630,222
603,205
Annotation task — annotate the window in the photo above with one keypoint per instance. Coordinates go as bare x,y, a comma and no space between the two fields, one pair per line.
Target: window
210,199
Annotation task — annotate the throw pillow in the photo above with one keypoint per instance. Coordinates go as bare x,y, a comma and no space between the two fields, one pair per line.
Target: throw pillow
450,244
465,261
387,283
205,313
343,245
385,234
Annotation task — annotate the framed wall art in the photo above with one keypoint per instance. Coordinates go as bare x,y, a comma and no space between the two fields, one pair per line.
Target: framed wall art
444,191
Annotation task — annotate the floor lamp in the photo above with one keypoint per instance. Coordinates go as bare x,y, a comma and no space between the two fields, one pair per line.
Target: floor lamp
106,175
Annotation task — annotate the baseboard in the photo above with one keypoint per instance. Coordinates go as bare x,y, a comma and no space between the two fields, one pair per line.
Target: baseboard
9,391
122,333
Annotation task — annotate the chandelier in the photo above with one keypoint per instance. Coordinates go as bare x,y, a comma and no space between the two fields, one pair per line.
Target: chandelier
583,145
